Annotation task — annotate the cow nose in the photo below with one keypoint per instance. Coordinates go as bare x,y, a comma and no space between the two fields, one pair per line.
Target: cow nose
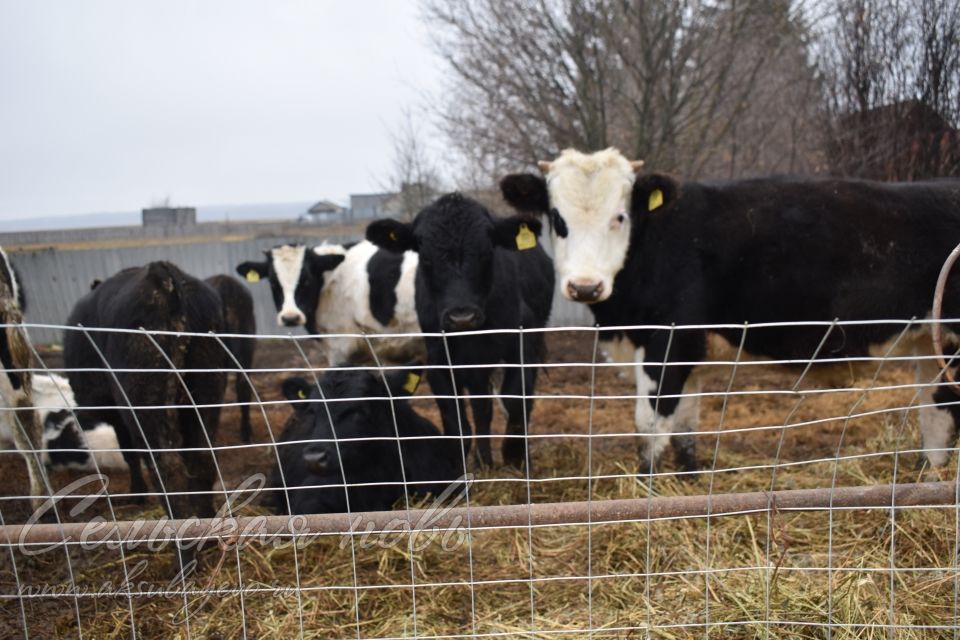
316,459
291,320
462,319
585,292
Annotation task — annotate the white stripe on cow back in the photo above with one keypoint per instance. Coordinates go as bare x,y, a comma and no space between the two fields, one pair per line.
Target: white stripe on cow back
287,265
590,192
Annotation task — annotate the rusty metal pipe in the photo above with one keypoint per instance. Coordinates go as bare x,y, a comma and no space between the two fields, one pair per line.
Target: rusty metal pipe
486,517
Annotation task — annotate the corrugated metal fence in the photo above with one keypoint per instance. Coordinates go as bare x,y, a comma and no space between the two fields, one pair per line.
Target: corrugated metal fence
54,279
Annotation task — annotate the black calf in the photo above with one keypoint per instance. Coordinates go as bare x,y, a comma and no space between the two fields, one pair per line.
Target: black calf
477,272
353,424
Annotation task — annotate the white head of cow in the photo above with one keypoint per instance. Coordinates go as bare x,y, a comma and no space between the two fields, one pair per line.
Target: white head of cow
588,198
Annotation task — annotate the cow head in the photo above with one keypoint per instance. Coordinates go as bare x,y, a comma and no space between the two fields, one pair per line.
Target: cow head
593,202
456,238
296,274
349,408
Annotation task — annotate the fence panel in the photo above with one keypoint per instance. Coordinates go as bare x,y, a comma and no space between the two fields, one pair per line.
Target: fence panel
812,509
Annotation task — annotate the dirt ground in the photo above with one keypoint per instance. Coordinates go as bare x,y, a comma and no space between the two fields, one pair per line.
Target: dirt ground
857,415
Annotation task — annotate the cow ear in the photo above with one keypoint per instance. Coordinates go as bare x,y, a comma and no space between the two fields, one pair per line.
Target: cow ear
253,271
392,235
653,192
525,192
326,262
296,388
518,232
404,382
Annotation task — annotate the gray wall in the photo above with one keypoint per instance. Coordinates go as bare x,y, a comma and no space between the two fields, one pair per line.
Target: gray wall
55,279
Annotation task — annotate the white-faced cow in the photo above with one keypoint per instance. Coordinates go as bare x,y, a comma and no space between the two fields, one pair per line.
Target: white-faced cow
144,383
648,250
238,319
344,289
477,272
17,417
348,430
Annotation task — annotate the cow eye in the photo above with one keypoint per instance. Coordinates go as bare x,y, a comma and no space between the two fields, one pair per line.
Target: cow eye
559,224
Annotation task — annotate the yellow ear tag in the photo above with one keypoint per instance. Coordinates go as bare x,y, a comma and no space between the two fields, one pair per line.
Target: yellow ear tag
253,276
525,238
656,200
301,394
393,236
413,381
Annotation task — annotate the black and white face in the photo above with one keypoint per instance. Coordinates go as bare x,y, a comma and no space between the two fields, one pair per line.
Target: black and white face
588,202
296,275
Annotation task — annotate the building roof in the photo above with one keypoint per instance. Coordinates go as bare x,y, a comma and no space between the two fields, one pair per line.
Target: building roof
324,207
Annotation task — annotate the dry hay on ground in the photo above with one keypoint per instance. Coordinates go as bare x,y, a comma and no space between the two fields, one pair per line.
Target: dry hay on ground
782,575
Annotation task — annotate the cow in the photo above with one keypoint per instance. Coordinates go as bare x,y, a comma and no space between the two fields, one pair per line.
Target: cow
17,417
66,444
477,272
238,319
354,288
344,429
125,369
647,249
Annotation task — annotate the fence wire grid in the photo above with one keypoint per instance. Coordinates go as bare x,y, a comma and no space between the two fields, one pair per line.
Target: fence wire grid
813,513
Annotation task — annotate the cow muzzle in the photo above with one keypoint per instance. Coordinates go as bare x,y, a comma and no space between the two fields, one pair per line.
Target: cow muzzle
316,459
462,319
291,319
585,290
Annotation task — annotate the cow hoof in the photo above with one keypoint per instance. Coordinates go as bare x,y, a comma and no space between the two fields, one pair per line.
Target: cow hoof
514,454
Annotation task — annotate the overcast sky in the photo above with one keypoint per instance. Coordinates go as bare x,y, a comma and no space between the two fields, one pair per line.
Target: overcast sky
111,105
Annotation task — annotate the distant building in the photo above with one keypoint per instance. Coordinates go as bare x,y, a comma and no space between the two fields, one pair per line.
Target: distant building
170,217
375,205
326,208
907,140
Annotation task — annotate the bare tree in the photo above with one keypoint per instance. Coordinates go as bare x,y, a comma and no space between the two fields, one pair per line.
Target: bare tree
414,176
680,84
892,77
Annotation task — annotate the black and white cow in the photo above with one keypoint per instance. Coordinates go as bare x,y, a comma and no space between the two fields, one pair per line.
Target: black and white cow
66,444
344,289
477,272
649,250
238,318
174,417
17,417
347,430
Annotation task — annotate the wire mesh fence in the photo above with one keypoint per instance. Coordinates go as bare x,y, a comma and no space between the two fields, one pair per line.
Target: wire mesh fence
823,502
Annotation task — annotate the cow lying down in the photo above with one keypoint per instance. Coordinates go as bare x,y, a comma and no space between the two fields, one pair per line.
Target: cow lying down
344,429
354,288
66,445
651,250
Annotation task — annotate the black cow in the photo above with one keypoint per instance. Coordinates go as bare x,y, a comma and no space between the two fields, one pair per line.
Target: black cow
238,318
350,406
650,250
156,297
352,288
477,272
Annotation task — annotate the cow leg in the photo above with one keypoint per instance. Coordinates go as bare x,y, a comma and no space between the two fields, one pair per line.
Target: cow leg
201,463
482,417
244,394
128,439
657,416
452,410
28,438
517,383
938,424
